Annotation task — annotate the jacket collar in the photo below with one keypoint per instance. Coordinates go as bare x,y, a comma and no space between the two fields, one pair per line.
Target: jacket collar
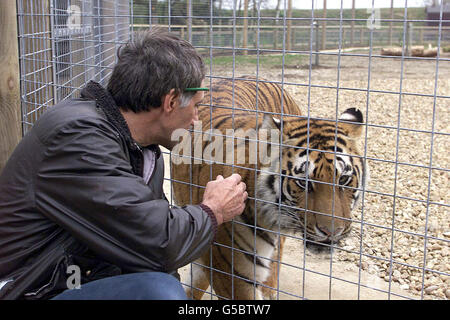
94,91
104,100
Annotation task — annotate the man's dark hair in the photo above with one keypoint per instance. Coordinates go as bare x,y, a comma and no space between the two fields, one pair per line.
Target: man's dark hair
150,65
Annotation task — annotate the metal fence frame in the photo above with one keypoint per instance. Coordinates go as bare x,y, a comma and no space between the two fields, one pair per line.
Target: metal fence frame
56,61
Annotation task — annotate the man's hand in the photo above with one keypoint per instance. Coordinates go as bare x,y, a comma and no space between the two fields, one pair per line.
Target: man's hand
225,197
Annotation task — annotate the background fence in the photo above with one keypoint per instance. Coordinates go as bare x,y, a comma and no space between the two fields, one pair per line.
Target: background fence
63,45
400,246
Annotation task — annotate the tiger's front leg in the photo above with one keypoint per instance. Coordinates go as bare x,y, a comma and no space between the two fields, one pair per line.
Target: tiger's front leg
198,278
272,281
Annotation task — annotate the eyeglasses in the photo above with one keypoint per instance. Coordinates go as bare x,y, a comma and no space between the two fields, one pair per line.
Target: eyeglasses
195,89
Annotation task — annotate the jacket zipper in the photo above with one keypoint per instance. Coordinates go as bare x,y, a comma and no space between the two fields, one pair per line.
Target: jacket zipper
142,158
138,147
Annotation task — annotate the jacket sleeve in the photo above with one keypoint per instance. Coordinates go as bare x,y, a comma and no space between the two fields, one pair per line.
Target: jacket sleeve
85,184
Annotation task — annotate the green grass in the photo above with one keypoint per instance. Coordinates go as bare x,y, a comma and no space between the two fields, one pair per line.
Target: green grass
266,60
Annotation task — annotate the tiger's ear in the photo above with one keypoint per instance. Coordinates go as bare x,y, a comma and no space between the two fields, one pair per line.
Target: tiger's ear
351,120
270,122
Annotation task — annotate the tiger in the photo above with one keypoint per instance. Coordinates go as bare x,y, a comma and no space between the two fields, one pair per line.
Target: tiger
309,186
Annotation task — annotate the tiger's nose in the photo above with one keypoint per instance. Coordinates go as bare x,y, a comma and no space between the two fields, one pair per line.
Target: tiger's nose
335,232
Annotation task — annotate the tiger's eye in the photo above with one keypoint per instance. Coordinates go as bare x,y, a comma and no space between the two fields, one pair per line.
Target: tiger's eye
345,179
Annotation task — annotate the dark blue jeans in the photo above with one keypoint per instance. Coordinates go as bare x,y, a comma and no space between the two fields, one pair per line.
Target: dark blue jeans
133,286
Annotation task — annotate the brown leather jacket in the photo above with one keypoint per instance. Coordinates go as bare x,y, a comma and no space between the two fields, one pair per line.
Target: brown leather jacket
73,192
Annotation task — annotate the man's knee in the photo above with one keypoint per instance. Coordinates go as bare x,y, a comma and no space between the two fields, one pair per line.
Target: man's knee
160,286
132,286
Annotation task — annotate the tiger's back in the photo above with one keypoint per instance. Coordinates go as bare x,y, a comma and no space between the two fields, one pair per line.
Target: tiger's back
228,105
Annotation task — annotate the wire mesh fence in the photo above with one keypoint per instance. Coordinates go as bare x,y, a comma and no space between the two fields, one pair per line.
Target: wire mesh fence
328,61
63,45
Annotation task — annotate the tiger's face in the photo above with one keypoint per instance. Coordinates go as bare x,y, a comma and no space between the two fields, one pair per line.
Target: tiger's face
322,176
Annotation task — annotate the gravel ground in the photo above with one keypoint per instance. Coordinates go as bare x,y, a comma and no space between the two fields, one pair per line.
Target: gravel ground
402,215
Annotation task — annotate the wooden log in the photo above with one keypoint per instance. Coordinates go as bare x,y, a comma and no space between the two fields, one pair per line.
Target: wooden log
393,51
430,52
417,51
10,113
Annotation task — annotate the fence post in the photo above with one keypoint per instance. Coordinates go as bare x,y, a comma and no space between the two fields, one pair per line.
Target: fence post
245,28
410,35
408,38
10,113
316,34
324,26
361,36
189,20
289,26
352,34
391,23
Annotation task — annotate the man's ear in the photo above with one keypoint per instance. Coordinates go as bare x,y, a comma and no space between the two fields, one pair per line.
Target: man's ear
169,101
